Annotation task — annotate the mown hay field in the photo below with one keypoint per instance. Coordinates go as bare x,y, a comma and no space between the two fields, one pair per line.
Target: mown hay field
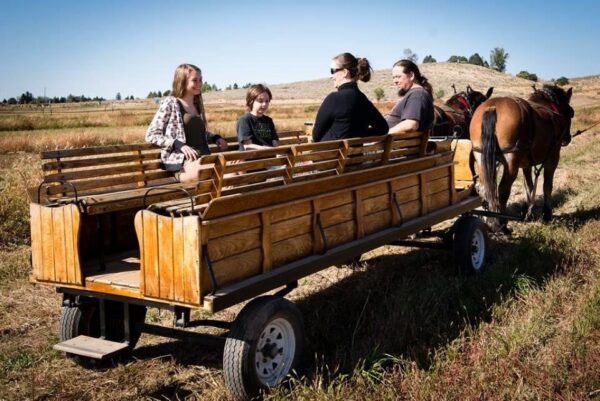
402,325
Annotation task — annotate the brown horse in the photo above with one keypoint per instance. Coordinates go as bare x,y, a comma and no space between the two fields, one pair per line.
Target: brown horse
454,116
520,133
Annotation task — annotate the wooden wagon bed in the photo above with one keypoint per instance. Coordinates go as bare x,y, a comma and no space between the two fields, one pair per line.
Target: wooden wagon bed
254,221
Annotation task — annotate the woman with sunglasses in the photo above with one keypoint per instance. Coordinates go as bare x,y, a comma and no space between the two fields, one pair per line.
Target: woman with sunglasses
348,113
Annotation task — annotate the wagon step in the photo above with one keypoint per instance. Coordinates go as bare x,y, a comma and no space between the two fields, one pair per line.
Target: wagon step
91,347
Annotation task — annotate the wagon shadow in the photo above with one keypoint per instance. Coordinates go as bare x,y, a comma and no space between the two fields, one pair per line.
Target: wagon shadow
411,304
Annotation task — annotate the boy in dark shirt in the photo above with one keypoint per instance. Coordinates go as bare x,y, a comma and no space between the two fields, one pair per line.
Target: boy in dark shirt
254,129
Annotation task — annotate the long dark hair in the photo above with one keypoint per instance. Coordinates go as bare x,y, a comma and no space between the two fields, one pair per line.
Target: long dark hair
409,66
359,68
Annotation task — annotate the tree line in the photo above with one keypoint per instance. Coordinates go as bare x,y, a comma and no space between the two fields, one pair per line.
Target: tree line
497,61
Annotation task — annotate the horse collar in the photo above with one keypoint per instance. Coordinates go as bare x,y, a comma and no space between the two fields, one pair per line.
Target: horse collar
465,103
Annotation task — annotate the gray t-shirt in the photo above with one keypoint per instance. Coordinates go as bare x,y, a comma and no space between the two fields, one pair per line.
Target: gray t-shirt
417,105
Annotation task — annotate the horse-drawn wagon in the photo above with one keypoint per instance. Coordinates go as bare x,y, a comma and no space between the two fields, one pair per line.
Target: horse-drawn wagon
115,235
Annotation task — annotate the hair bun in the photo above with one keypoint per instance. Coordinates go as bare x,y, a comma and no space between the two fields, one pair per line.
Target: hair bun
364,69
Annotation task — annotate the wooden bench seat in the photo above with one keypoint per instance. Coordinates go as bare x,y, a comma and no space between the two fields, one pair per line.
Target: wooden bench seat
118,177
255,170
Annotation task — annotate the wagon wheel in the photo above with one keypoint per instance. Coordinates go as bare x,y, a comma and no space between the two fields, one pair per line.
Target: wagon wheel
470,245
264,345
84,319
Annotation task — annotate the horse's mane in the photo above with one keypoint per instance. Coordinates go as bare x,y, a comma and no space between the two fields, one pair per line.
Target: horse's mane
551,93
454,98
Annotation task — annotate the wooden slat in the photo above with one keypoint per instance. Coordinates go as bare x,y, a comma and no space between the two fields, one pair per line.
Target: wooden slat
150,264
255,164
290,211
340,233
291,228
230,225
337,215
359,214
97,150
335,200
423,195
266,241
316,166
292,249
193,282
286,134
165,257
405,182
438,185
234,244
238,267
105,184
403,153
322,155
59,244
101,172
376,204
254,177
378,221
374,190
37,260
47,244
408,194
439,200
251,187
138,223
180,281
99,161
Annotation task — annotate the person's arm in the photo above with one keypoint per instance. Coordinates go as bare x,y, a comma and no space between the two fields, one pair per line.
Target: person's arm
274,136
218,139
376,121
156,130
404,126
324,119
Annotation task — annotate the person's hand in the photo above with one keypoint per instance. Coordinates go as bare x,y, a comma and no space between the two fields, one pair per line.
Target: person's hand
189,153
222,144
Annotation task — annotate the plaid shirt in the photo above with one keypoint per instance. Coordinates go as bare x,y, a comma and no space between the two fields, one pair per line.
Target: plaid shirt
166,131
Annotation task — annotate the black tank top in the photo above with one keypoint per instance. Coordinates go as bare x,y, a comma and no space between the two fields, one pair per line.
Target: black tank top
195,131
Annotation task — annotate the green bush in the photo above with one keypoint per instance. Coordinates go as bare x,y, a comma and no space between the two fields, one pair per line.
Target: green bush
527,75
379,93
562,81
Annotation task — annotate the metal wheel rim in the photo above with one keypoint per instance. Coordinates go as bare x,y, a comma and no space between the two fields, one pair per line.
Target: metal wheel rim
279,338
477,249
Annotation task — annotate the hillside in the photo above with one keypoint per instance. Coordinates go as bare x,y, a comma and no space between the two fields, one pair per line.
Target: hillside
440,75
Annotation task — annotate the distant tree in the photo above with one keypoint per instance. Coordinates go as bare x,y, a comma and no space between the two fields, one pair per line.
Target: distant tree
206,87
63,99
131,97
151,95
439,93
4,101
409,55
235,85
498,57
379,93
12,100
527,75
457,59
118,96
214,87
476,59
562,81
429,59
228,88
167,92
486,64
159,94
26,98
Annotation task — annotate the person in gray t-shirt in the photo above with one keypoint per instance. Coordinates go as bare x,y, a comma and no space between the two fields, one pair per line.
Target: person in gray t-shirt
414,110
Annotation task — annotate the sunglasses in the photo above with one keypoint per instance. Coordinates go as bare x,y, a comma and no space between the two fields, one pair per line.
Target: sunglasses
333,71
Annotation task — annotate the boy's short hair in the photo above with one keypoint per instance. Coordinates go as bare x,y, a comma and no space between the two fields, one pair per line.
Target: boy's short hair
254,91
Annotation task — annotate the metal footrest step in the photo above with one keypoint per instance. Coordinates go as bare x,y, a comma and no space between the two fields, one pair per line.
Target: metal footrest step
91,347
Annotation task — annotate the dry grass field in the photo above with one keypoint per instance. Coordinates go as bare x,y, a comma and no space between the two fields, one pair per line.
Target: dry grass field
400,326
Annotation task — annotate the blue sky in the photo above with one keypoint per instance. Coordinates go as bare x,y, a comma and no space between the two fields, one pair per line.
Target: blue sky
99,48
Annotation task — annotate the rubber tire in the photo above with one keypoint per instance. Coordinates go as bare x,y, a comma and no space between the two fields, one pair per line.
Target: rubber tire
240,347
84,319
465,228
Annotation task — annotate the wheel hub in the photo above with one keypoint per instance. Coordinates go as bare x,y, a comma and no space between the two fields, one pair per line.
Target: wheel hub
275,352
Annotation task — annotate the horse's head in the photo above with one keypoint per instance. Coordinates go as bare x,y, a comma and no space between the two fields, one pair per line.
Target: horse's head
475,98
558,100
469,100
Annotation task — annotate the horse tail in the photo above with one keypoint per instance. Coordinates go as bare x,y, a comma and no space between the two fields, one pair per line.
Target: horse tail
488,158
